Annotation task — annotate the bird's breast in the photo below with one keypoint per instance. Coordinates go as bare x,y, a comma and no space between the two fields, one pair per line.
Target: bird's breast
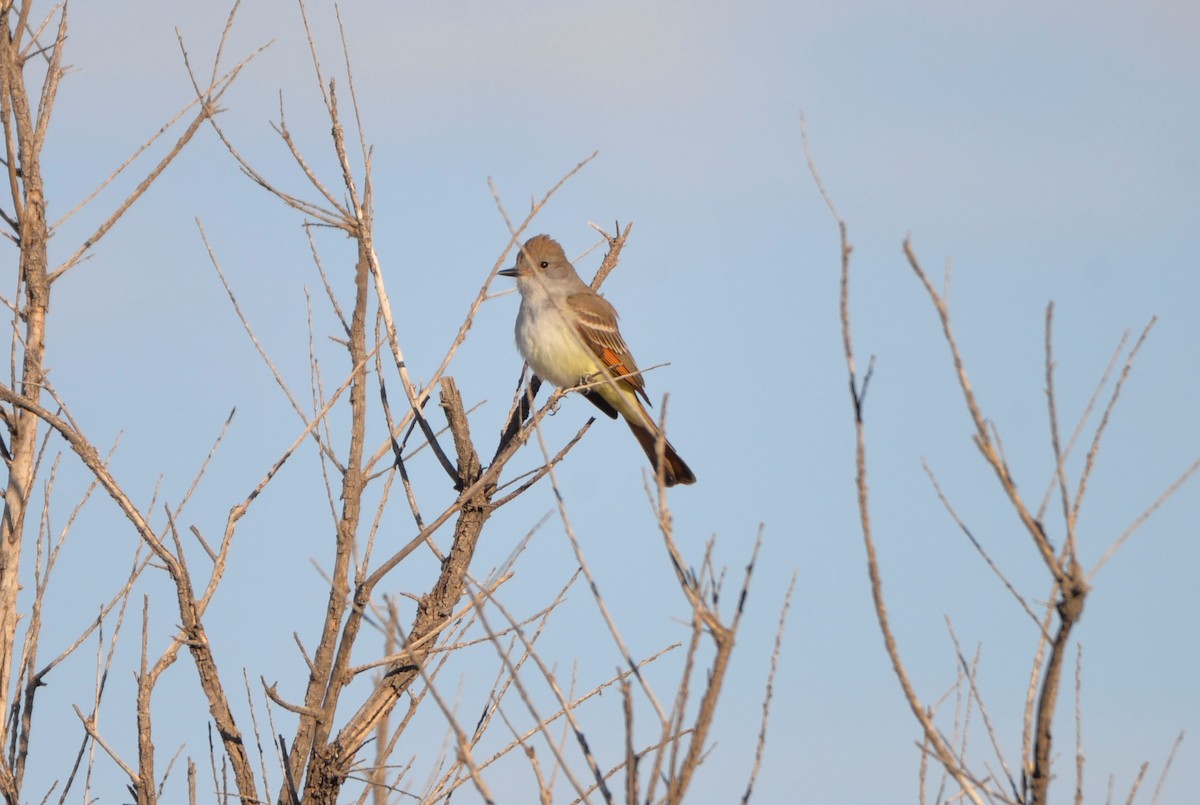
551,346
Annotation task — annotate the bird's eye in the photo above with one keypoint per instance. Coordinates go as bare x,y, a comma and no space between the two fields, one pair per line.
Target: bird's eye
544,264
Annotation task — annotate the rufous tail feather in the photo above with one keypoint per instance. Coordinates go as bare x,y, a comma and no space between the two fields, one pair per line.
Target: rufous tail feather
675,469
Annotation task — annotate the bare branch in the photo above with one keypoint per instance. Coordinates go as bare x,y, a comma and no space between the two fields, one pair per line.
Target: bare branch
983,440
208,109
1167,494
935,742
979,547
95,736
1162,778
766,705
1090,461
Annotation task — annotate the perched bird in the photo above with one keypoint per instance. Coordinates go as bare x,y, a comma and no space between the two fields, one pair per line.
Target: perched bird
568,334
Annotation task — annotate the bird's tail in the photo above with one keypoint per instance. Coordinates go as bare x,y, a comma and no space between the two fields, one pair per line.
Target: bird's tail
675,470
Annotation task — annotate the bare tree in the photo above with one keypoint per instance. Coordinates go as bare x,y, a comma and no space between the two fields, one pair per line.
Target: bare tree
315,746
31,68
1068,581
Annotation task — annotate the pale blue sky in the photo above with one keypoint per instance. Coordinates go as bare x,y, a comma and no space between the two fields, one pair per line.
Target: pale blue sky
1049,152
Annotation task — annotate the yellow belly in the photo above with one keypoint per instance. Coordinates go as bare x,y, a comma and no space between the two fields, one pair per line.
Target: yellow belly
553,349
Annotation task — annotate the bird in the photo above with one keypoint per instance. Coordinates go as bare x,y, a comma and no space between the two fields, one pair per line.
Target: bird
568,335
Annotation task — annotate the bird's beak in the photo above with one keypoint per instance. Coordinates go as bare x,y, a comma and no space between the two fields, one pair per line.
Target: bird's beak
508,272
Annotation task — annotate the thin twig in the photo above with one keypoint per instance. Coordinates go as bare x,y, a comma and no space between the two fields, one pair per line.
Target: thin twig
978,546
766,705
1162,777
1167,494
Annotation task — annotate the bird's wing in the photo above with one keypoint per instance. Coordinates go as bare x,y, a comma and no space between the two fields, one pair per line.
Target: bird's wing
596,323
